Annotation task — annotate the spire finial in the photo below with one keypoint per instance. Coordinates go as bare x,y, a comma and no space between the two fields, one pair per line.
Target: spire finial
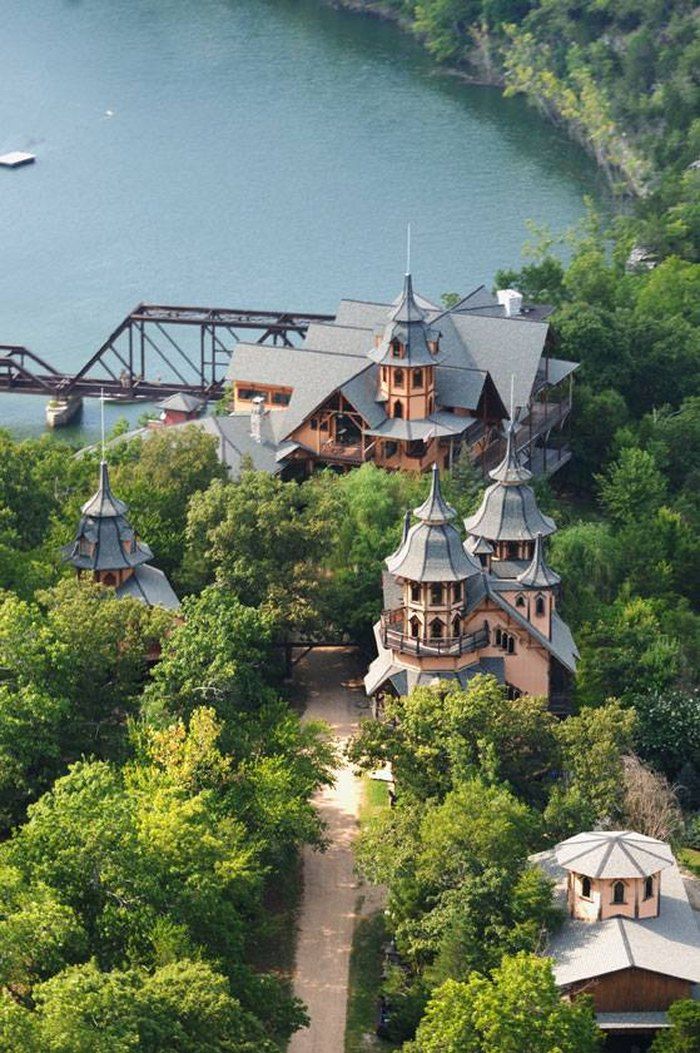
406,525
512,395
408,248
102,420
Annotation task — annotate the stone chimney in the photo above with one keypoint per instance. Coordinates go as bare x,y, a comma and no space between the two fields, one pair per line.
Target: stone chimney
511,301
256,418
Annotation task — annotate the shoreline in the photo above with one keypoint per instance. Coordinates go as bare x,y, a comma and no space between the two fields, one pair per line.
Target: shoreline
383,12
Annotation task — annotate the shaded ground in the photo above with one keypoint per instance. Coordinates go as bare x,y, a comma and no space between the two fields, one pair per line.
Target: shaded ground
330,896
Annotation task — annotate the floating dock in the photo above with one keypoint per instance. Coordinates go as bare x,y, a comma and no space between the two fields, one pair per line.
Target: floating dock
16,159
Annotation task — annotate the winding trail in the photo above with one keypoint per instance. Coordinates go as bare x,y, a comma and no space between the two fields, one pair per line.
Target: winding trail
328,911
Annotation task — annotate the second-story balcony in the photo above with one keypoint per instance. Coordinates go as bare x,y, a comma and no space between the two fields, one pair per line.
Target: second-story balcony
393,623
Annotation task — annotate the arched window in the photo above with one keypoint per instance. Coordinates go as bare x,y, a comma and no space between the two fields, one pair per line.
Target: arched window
437,629
586,887
415,592
415,627
649,888
619,892
396,349
398,408
539,605
456,625
417,381
498,637
520,602
511,645
436,594
398,378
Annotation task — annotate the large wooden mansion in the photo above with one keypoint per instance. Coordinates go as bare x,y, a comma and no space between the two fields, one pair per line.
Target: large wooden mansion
406,385
455,608
630,938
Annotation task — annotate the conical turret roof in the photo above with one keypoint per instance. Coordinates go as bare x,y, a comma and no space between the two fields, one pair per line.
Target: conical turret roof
538,574
432,550
408,327
614,854
435,508
105,540
103,502
508,510
510,471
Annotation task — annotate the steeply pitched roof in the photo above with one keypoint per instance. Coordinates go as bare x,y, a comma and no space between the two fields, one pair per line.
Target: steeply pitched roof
432,550
561,645
509,513
538,575
105,539
510,470
614,854
407,325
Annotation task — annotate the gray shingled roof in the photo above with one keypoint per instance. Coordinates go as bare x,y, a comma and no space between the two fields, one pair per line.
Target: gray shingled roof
438,424
538,574
105,539
150,586
459,387
668,944
509,513
181,402
558,369
510,470
614,854
432,550
407,324
561,644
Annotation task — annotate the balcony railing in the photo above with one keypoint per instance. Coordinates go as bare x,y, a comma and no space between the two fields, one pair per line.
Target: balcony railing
394,637
338,451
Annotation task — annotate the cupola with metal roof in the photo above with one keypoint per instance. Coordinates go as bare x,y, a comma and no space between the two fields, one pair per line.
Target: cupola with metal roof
105,540
509,510
539,575
432,550
407,339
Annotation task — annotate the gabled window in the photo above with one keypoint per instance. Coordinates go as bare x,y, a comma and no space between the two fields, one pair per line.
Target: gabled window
437,629
396,349
520,602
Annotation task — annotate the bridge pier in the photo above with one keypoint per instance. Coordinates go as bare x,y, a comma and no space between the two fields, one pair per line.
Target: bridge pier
61,411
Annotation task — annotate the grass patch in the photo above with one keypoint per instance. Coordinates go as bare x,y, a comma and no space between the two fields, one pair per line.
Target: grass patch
690,858
365,981
375,798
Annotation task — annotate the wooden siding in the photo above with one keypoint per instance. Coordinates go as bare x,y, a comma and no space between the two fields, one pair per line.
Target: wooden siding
632,991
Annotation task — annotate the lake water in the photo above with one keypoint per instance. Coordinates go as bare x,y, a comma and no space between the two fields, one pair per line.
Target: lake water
262,153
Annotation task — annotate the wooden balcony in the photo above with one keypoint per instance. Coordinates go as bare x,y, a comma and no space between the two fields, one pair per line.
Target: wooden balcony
338,451
394,637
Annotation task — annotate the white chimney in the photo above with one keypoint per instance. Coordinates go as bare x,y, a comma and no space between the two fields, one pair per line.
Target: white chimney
256,418
511,301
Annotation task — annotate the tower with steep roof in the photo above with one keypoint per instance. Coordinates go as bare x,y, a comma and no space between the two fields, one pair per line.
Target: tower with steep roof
488,605
107,547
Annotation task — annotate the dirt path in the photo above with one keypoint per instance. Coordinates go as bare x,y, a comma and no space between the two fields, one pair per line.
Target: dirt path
327,915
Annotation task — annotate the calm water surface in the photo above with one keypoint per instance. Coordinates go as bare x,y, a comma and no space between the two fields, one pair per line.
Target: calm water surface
260,153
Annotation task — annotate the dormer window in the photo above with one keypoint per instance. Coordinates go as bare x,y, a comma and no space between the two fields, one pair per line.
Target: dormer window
396,349
586,888
649,888
619,892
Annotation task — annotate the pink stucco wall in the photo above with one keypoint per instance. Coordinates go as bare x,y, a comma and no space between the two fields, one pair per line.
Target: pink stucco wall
600,905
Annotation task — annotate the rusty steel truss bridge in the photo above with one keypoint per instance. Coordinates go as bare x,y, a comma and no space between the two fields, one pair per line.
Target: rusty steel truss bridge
156,351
